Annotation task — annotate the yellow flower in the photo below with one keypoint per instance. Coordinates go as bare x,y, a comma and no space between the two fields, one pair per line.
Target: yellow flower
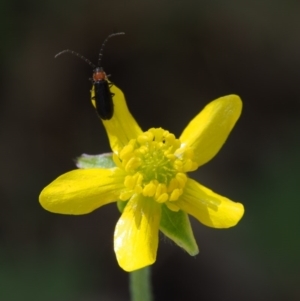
149,178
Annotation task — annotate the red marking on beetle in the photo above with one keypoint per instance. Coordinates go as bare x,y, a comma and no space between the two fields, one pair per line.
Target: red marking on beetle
99,75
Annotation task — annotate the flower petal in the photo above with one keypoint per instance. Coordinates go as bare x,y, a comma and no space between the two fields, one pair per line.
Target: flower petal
176,226
122,127
136,233
208,131
82,190
209,208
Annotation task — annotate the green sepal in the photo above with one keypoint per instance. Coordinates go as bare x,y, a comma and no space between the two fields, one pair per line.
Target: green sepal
121,205
95,161
177,227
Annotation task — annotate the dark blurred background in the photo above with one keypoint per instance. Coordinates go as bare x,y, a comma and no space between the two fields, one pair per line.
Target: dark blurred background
176,56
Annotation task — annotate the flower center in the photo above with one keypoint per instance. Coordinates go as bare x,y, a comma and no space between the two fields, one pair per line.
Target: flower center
155,166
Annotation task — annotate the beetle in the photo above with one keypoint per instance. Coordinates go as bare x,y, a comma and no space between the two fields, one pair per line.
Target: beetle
103,98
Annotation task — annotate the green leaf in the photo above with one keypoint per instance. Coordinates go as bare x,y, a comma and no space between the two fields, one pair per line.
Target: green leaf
95,161
121,205
176,226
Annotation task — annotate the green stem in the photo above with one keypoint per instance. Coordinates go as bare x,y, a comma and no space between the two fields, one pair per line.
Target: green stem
140,285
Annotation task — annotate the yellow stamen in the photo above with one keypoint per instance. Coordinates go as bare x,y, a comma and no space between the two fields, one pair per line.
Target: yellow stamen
162,198
176,193
156,166
126,195
126,152
172,206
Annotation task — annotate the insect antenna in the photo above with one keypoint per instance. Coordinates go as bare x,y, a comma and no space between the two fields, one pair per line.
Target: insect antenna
103,44
77,54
